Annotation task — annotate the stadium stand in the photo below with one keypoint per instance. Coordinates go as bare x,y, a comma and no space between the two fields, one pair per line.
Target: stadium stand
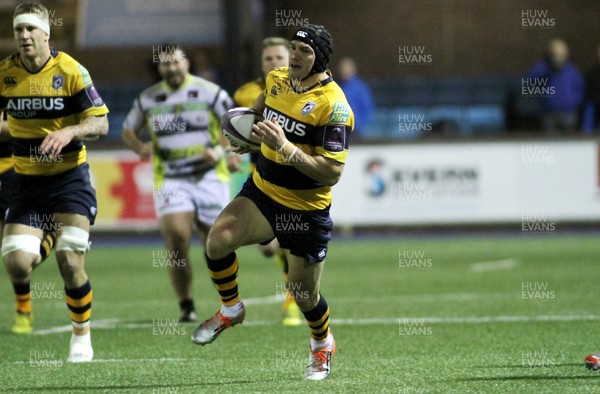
465,105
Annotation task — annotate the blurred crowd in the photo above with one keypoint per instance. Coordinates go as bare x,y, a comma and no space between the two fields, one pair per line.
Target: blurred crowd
569,99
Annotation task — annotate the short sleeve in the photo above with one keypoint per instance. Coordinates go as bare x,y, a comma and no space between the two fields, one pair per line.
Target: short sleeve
86,99
222,103
332,138
135,119
332,141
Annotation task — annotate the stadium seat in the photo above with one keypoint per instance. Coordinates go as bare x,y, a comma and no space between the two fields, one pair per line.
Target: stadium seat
475,104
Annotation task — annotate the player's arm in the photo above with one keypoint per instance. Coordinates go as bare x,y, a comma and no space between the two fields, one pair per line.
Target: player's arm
319,168
132,130
87,103
132,139
325,170
224,150
259,103
89,128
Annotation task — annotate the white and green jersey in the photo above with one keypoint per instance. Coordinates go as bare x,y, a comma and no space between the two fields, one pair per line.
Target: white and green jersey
182,123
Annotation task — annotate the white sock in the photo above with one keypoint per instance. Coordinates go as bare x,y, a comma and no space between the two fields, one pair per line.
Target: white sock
80,325
232,311
83,339
324,344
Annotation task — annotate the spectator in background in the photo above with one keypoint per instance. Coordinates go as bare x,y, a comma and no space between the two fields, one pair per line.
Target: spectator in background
358,95
564,87
592,84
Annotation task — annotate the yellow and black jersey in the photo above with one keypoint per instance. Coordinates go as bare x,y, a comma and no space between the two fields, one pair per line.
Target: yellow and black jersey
61,94
317,120
247,94
6,162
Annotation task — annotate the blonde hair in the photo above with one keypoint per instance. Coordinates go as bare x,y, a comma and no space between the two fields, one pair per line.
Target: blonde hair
274,41
33,7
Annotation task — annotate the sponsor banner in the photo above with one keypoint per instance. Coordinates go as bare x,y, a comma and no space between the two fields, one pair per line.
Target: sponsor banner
534,183
125,190
525,182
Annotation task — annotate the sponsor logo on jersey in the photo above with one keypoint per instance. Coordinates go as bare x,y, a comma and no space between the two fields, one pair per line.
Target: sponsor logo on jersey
85,75
308,107
289,125
334,138
302,34
94,96
274,90
57,82
340,113
36,104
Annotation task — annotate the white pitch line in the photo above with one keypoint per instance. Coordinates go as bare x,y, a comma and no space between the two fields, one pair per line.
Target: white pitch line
485,266
112,324
117,360
103,323
498,319
141,360
263,300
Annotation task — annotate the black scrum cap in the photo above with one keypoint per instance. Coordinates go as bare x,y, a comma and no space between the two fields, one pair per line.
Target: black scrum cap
320,41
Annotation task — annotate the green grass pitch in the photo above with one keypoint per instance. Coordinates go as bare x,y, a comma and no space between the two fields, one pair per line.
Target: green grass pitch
464,314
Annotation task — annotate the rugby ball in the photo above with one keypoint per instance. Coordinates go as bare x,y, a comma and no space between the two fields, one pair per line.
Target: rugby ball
236,125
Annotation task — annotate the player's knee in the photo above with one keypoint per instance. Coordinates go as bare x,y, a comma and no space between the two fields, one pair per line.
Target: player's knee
19,264
19,253
73,239
177,241
220,241
215,249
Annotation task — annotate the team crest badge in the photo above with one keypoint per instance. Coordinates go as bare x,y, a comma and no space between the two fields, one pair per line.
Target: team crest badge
308,107
57,82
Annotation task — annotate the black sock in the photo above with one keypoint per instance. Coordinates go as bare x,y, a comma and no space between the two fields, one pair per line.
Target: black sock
318,320
187,305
